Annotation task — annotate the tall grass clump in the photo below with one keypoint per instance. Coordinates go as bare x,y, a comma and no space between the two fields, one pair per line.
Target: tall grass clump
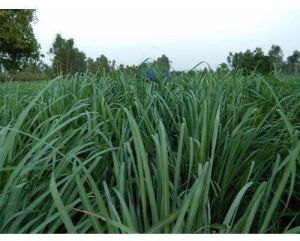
192,154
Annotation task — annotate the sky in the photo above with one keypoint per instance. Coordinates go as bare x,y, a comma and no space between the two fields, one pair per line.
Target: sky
187,31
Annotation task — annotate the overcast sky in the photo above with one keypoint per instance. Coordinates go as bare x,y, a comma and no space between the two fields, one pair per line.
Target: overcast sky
188,32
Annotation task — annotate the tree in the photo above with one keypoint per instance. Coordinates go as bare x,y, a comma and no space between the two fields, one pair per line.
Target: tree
121,67
90,65
66,58
222,69
263,63
100,65
77,61
293,62
35,66
17,41
241,60
276,55
163,63
250,61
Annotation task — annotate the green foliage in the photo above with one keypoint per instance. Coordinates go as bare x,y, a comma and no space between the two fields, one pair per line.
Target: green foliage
163,63
293,63
100,65
18,44
249,61
276,55
193,154
256,61
223,69
66,58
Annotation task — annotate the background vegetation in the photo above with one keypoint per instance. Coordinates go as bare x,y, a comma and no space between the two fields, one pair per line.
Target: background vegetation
20,57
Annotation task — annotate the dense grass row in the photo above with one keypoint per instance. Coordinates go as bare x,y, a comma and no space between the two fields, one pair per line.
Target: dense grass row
201,154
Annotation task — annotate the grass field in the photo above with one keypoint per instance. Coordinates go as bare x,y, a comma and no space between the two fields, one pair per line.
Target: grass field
201,154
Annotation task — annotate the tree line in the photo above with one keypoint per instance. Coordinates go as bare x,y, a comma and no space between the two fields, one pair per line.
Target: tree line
258,61
20,55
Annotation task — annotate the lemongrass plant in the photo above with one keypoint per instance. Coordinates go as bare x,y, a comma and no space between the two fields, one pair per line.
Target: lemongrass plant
192,154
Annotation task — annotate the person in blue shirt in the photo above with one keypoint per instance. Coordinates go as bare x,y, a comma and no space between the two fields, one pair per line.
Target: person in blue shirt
150,74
